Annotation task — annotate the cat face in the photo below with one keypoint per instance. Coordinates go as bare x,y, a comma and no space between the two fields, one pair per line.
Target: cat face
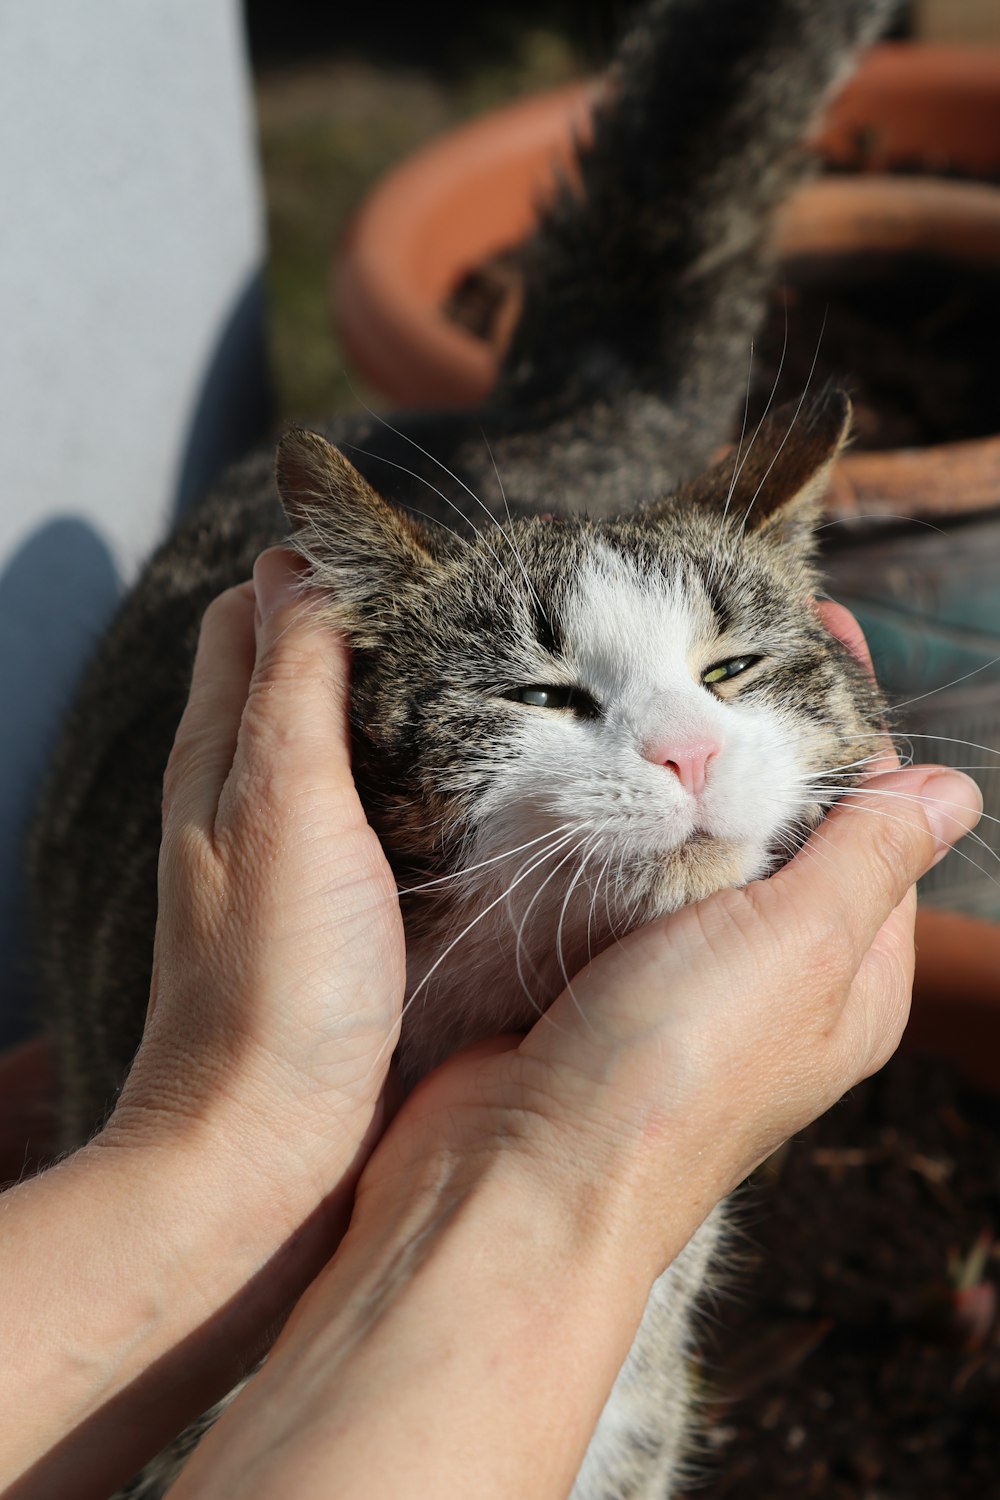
677,723
564,728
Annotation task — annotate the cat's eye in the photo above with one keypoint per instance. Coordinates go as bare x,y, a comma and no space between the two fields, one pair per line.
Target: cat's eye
724,670
553,695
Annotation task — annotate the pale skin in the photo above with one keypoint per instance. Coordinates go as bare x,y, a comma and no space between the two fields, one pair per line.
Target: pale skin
506,1227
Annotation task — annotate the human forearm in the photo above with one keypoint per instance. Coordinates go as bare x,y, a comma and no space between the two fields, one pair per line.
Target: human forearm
470,1351
137,1285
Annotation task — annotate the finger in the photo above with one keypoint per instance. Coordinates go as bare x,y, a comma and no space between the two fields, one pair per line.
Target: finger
842,624
294,729
838,892
205,742
879,1003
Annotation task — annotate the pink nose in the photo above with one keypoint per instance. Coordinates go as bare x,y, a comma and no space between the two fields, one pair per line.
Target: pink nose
689,762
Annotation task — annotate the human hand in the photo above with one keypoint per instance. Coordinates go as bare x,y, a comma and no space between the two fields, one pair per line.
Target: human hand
278,970
718,1031
509,1224
178,1238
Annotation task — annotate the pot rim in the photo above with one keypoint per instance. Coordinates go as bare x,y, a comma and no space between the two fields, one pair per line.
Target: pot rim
482,180
956,994
885,215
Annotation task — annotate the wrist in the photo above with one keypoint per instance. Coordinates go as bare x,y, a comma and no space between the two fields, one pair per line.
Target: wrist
165,1285
259,1162
469,1281
199,1261
643,1163
155,1297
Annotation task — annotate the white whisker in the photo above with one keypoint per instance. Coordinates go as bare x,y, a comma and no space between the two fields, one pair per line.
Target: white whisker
953,683
568,983
880,515
910,734
875,791
509,537
412,890
479,917
791,425
519,945
380,458
962,854
739,448
593,906
764,415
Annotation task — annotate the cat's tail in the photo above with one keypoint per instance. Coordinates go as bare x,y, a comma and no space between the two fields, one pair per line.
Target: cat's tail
651,283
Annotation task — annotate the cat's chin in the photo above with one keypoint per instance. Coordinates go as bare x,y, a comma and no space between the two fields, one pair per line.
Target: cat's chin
701,866
487,985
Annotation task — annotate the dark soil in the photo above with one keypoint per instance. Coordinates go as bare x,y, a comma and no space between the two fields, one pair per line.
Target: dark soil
913,339
478,299
857,1356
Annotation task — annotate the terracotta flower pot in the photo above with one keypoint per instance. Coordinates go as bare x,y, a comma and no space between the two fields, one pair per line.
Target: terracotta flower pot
956,995
933,107
445,209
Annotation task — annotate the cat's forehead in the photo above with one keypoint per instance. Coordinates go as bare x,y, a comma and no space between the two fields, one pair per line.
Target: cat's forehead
619,607
621,593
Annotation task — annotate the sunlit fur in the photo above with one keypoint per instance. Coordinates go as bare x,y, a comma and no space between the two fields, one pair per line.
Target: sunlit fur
524,837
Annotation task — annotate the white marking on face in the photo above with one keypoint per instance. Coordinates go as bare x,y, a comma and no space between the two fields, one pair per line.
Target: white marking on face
579,834
638,641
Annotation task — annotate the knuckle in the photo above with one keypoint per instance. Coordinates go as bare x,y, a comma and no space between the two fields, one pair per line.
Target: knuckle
216,609
812,939
738,915
171,781
288,739
191,766
254,813
223,606
178,768
295,654
191,879
896,854
271,776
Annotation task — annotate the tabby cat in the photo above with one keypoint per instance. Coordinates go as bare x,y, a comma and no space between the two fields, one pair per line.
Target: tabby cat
581,697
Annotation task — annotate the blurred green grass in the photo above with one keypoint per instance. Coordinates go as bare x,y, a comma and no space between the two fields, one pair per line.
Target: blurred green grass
328,131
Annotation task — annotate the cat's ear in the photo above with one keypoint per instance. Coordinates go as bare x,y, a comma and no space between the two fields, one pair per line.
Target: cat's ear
777,486
365,550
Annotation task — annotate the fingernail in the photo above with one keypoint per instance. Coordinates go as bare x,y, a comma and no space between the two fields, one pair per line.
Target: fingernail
953,804
277,576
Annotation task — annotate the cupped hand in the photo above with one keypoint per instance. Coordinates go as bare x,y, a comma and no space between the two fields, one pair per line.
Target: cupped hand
683,1055
279,968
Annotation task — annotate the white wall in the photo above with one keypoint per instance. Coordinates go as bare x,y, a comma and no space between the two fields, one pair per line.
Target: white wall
131,360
